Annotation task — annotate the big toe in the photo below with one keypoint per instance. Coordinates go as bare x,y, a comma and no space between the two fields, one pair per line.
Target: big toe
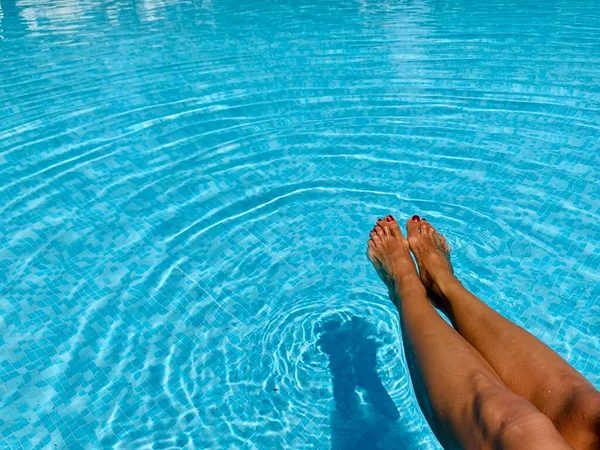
413,226
391,225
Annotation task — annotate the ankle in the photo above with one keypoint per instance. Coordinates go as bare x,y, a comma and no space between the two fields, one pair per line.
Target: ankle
445,283
408,282
405,271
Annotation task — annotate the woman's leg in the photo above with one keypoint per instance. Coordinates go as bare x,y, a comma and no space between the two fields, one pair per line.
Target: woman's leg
466,403
525,365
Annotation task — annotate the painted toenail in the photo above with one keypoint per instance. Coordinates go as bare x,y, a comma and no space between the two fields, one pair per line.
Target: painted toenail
415,218
389,219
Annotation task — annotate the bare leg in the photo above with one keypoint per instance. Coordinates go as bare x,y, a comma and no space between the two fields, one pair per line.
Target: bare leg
465,401
525,365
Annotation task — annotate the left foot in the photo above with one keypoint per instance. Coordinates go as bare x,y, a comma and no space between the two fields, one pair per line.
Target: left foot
389,252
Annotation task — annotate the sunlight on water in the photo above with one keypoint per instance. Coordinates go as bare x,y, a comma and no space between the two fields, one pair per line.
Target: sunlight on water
187,189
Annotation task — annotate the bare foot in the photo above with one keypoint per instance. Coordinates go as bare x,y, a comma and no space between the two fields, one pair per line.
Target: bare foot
433,257
389,252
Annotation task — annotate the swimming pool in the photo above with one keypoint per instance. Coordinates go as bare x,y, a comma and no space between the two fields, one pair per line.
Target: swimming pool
187,190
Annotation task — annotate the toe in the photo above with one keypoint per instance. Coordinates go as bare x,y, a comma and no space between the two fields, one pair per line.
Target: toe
392,226
380,231
426,228
441,239
371,251
413,226
375,238
372,255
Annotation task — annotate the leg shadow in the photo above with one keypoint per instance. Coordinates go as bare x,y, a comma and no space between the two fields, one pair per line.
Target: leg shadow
358,423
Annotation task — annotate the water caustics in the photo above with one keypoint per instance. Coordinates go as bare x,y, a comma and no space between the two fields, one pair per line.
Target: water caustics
187,187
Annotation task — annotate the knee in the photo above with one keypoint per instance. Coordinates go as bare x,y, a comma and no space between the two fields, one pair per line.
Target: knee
586,404
504,417
579,417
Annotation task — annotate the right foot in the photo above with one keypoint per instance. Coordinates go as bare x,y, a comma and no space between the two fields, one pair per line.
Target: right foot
390,254
433,258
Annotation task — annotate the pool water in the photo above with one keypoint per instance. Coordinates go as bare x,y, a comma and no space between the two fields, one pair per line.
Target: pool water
187,190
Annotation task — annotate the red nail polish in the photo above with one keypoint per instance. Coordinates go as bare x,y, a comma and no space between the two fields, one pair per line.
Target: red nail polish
415,218
389,218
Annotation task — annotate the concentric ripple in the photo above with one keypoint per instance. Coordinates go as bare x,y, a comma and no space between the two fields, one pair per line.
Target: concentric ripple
186,190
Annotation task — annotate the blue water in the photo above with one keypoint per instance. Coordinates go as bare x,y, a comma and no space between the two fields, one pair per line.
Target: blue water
186,191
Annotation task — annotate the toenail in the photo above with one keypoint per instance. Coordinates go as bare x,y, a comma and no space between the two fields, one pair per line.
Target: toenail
389,218
423,218
379,219
415,218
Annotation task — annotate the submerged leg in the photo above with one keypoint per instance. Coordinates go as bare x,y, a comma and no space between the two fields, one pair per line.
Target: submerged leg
466,403
525,365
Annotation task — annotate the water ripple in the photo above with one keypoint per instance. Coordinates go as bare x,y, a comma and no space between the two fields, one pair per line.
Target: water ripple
187,189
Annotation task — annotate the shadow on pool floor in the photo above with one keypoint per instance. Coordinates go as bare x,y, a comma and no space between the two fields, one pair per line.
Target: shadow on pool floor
352,352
